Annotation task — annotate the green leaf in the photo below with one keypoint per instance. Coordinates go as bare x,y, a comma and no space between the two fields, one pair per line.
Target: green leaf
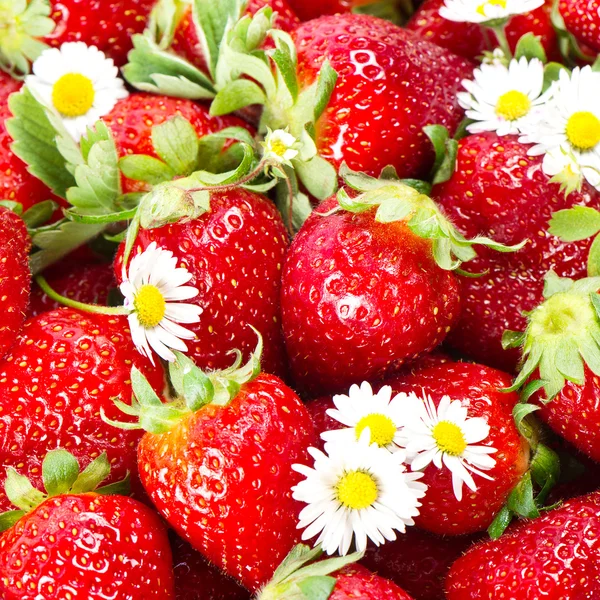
446,150
148,169
438,135
39,213
512,339
163,21
286,67
574,224
318,176
500,523
92,476
317,588
116,217
35,142
10,518
20,491
237,95
529,47
545,470
176,142
593,265
16,207
198,389
326,82
530,389
521,500
551,74
60,470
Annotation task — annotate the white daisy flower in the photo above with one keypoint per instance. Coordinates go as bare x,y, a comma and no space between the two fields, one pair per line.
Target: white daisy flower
356,490
445,437
280,147
570,121
482,11
153,290
78,82
362,409
503,99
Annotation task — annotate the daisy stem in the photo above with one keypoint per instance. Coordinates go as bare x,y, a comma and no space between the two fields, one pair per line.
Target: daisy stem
91,308
500,32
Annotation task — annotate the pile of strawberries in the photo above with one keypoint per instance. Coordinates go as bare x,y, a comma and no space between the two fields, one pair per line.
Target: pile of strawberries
299,299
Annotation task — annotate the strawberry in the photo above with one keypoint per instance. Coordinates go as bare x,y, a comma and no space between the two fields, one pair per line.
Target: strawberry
216,462
235,253
554,556
106,24
76,542
89,282
132,119
469,39
582,19
15,278
312,9
63,370
497,189
197,579
187,36
390,85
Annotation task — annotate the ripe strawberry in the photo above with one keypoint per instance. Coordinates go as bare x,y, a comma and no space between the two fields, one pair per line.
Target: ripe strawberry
187,38
216,462
64,368
468,39
76,542
15,279
553,556
89,283
197,579
582,19
106,24
312,9
390,85
497,189
132,119
360,298
355,581
235,253
16,183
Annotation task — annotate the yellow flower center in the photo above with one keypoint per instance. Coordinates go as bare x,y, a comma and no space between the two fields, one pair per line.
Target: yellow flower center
513,105
357,490
449,438
481,8
583,130
73,95
382,429
278,147
149,305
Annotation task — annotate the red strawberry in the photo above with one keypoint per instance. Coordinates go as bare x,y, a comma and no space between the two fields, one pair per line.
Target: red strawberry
417,561
106,24
554,556
357,582
360,298
74,542
582,19
186,41
312,9
15,279
132,119
217,462
497,189
235,252
468,39
390,85
64,369
16,183
88,283
197,579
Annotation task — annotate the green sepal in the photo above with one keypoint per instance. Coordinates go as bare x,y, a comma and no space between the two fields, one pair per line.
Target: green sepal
396,11
293,205
317,587
512,339
593,264
521,500
15,207
59,472
525,426
236,95
20,492
551,74
141,167
446,151
10,518
39,214
529,46
176,143
574,224
500,523
163,21
545,471
326,81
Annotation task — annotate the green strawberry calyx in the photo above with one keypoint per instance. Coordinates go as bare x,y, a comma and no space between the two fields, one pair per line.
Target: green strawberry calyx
303,576
22,24
193,389
404,200
61,475
562,335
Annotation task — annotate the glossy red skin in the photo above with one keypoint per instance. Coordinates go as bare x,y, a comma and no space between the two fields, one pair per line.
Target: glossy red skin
16,183
582,19
106,24
499,191
467,39
235,253
186,40
377,111
222,478
417,561
359,299
197,579
354,581
87,546
479,388
89,283
53,384
132,119
15,278
554,557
